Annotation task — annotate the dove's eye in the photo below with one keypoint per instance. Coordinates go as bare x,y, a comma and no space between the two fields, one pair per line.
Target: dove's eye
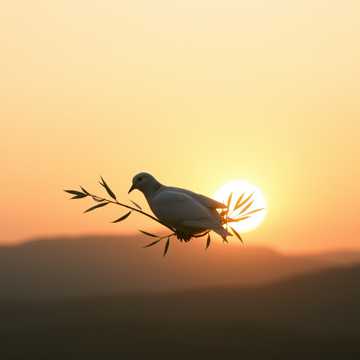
140,178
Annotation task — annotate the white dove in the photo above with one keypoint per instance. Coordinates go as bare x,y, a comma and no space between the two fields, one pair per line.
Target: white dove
188,213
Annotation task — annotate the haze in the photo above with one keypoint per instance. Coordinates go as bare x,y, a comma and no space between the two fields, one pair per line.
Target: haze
199,94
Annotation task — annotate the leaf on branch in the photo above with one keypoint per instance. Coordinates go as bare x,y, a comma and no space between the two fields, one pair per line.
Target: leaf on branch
241,218
229,200
246,207
137,205
96,207
244,201
84,190
237,234
167,246
152,243
208,240
148,234
253,212
107,188
238,201
80,196
76,193
122,217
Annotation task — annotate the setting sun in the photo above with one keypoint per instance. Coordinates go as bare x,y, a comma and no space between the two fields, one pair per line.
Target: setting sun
237,188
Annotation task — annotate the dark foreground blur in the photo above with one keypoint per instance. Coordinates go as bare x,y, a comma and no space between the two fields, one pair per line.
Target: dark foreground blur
313,315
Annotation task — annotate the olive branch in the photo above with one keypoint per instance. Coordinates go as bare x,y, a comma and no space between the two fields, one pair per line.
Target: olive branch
237,212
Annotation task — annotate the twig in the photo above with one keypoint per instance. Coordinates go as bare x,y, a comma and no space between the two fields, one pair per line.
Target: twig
116,202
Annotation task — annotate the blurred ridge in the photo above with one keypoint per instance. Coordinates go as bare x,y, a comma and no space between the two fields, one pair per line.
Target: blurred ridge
313,316
100,265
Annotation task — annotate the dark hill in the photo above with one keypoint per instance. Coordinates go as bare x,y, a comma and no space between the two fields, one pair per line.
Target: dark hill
95,265
312,316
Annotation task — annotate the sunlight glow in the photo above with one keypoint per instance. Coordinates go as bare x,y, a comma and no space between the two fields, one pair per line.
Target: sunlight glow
239,187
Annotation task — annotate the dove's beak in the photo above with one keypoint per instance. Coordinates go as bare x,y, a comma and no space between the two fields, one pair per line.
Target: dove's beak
131,189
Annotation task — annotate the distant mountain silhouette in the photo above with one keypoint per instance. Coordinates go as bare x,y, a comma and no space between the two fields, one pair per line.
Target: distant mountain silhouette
310,316
95,265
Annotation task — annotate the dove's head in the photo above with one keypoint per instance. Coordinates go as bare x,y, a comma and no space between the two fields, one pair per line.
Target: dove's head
145,182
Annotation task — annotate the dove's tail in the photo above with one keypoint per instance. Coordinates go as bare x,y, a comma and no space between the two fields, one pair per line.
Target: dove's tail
222,232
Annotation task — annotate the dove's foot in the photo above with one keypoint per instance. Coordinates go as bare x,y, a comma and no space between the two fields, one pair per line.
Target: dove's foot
183,236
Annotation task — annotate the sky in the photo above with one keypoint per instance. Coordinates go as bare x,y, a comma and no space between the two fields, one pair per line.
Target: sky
196,92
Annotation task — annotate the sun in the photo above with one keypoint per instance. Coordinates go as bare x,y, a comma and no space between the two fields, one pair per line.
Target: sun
237,188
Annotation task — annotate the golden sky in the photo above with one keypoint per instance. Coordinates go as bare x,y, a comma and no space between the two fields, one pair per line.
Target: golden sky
196,92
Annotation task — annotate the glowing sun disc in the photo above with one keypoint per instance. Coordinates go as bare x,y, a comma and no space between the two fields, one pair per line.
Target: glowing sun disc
239,187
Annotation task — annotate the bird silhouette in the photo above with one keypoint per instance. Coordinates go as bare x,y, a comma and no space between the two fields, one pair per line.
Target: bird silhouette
187,212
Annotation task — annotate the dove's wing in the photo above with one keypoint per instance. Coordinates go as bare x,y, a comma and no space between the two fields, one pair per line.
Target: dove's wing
204,200
177,207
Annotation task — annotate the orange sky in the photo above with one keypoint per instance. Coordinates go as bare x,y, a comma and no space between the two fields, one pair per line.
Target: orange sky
198,93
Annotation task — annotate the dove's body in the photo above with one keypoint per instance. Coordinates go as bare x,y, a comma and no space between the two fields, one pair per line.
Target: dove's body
183,210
